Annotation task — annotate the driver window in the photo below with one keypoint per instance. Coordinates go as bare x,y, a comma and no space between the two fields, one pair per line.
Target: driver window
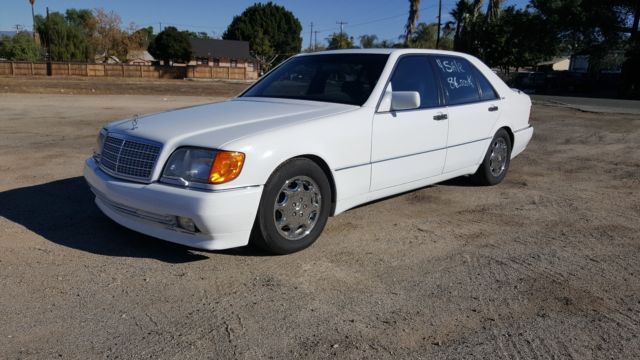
414,73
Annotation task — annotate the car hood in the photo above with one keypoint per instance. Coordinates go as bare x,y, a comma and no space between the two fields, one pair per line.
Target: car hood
215,124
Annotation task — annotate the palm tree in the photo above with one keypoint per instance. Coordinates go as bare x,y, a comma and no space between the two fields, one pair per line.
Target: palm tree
493,9
465,14
368,41
410,28
459,14
33,16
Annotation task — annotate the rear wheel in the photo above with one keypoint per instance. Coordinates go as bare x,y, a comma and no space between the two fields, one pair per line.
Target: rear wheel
294,207
496,161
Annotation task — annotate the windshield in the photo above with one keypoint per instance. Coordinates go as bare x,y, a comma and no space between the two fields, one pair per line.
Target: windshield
337,78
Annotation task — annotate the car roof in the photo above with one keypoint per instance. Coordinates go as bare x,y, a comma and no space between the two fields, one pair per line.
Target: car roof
384,51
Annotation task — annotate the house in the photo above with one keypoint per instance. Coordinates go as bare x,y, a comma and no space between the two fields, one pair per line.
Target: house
140,57
611,63
556,64
223,53
104,59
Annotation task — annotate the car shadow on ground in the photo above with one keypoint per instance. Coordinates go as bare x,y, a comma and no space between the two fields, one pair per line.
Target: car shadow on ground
463,181
64,212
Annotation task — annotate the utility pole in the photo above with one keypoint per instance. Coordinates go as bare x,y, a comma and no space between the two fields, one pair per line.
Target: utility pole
439,23
342,24
315,43
311,37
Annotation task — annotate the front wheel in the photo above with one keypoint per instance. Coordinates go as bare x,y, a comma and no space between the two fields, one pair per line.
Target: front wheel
496,161
294,207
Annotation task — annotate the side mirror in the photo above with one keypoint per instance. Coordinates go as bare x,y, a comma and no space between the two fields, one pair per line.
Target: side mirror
405,100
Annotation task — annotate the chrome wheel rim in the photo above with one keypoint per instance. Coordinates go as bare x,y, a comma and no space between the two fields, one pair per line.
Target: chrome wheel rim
499,156
297,207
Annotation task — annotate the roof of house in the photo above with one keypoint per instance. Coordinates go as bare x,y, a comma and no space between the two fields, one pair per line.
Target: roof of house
553,61
232,49
140,55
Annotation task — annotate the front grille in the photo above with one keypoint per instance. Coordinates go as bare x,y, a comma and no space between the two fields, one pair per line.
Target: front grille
129,158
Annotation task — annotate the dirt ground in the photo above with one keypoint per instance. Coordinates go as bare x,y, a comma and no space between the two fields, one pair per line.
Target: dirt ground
543,266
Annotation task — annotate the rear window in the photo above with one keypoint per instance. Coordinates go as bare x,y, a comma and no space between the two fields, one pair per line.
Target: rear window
486,90
459,79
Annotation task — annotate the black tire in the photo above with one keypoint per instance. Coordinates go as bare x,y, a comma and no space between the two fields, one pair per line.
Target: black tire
495,158
304,178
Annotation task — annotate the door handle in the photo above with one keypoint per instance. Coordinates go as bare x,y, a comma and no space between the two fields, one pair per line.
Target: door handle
439,117
493,108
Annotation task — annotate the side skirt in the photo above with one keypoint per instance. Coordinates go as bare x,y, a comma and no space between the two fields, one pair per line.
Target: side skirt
348,203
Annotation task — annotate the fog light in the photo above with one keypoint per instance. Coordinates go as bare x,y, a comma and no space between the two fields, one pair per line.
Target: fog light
186,223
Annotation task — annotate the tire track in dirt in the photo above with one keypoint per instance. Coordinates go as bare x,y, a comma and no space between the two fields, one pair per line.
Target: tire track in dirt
587,305
487,307
527,347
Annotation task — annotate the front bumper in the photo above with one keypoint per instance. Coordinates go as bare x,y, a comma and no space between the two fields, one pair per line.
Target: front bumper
224,218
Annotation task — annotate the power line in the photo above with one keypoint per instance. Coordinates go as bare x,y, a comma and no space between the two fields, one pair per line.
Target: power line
381,19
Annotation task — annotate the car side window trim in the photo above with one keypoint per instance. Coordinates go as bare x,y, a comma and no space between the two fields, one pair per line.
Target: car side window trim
441,96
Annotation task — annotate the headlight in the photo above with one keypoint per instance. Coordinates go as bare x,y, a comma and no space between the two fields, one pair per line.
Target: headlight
97,150
203,166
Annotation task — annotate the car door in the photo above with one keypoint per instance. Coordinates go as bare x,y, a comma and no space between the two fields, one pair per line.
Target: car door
473,108
410,145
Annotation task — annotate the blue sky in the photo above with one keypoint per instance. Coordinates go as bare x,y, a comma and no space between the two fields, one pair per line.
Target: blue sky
386,19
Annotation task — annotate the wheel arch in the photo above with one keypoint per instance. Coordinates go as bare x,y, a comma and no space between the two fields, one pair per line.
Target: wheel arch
509,132
327,171
325,168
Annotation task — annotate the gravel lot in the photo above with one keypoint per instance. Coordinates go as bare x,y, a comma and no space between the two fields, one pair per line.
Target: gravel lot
543,266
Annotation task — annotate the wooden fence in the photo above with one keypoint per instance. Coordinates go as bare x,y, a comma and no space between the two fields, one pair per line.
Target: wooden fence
220,72
125,70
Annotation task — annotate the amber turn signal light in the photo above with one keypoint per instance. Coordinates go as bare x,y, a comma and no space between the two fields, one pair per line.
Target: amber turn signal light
226,166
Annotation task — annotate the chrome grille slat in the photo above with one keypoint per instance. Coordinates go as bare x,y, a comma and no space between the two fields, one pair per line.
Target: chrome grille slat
129,158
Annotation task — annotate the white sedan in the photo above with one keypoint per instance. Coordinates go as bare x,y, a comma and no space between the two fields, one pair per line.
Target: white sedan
319,134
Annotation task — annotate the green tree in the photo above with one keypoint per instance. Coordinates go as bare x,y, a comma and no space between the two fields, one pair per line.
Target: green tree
424,36
585,25
340,41
388,44
197,35
271,30
21,47
368,41
64,37
469,22
263,51
81,18
171,45
517,38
